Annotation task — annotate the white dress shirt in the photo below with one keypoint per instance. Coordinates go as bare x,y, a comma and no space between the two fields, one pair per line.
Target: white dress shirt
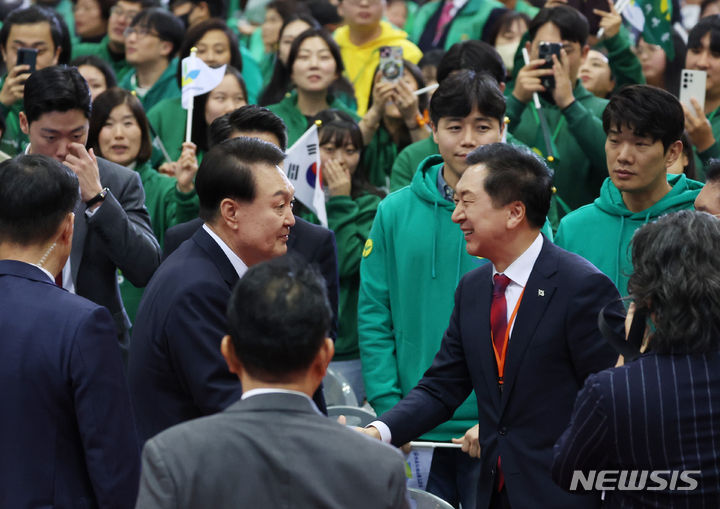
235,260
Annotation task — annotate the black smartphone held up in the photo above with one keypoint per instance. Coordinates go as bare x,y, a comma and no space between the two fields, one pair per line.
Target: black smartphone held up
546,51
27,56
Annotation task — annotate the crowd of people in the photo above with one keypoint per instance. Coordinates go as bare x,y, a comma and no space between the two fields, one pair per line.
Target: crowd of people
167,295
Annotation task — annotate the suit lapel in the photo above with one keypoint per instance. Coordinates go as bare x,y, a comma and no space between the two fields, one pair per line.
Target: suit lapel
216,254
538,293
78,245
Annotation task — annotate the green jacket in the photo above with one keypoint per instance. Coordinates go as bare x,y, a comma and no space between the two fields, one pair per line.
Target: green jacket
601,231
351,220
578,139
624,64
100,49
412,262
252,74
379,156
164,88
713,152
295,121
167,207
13,141
468,23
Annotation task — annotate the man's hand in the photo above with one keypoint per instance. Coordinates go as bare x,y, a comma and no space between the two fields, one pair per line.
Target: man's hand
85,166
698,127
470,442
563,92
187,167
528,80
14,86
609,21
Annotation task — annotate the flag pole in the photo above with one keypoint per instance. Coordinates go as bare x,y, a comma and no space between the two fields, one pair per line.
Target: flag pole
188,126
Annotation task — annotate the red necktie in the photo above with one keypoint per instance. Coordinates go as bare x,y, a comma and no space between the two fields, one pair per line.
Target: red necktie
498,326
445,18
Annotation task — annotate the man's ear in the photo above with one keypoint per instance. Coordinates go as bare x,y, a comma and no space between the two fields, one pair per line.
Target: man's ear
230,213
673,153
433,127
585,51
165,49
56,56
4,54
323,357
24,125
516,214
228,352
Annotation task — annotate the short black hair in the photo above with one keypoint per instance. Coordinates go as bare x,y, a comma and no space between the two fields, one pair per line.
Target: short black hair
515,174
102,108
712,171
648,111
169,28
105,7
197,32
573,25
55,88
278,318
477,56
708,24
32,15
676,281
464,90
99,64
250,118
36,193
217,8
226,171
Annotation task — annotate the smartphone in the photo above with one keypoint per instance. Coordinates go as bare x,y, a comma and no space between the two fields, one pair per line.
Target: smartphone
692,86
391,63
27,56
546,51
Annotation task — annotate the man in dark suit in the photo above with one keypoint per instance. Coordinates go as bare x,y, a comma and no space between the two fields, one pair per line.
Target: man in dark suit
314,243
653,420
112,226
525,371
66,434
176,371
273,448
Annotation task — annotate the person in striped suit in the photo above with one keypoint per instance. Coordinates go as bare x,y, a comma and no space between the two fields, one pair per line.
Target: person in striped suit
654,422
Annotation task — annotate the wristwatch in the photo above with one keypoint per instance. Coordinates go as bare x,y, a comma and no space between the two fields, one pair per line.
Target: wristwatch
97,198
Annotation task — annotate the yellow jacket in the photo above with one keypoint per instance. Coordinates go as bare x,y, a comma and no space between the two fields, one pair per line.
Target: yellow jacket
361,61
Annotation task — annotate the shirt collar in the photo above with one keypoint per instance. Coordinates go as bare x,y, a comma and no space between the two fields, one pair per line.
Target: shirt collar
444,188
267,390
235,260
519,270
47,272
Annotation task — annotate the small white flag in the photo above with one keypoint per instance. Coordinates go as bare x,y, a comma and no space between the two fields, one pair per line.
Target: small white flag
198,78
302,167
418,467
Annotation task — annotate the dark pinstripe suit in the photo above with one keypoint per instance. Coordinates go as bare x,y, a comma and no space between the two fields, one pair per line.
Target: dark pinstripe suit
661,412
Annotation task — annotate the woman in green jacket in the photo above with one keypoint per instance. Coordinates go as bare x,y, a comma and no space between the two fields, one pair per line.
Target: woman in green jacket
119,132
313,65
351,208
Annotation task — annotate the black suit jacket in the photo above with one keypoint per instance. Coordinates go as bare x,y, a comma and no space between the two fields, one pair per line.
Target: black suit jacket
658,413
554,346
176,371
314,243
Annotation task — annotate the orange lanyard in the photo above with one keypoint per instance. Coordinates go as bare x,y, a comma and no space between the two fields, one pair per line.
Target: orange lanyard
500,356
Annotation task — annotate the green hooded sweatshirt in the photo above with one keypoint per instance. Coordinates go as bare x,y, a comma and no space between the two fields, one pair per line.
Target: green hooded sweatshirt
164,88
412,262
601,231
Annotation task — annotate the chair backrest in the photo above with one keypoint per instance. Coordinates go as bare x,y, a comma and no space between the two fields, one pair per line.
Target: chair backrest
425,500
355,416
337,390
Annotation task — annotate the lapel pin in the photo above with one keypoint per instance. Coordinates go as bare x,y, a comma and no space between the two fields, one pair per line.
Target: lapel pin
541,293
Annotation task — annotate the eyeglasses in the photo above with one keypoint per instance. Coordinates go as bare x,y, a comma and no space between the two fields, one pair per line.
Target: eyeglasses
117,11
140,31
356,3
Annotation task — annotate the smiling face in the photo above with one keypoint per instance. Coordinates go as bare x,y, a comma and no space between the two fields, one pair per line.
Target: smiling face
314,68
703,58
264,224
458,136
226,97
596,75
482,223
362,14
121,137
638,164
213,48
53,132
343,151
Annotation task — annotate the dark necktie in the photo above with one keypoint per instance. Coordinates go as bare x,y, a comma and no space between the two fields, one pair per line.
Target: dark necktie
498,326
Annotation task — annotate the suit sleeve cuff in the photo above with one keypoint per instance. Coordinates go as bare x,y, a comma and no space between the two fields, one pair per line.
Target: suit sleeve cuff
383,429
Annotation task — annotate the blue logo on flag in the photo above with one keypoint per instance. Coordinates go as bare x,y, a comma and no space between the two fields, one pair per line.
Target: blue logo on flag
311,174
